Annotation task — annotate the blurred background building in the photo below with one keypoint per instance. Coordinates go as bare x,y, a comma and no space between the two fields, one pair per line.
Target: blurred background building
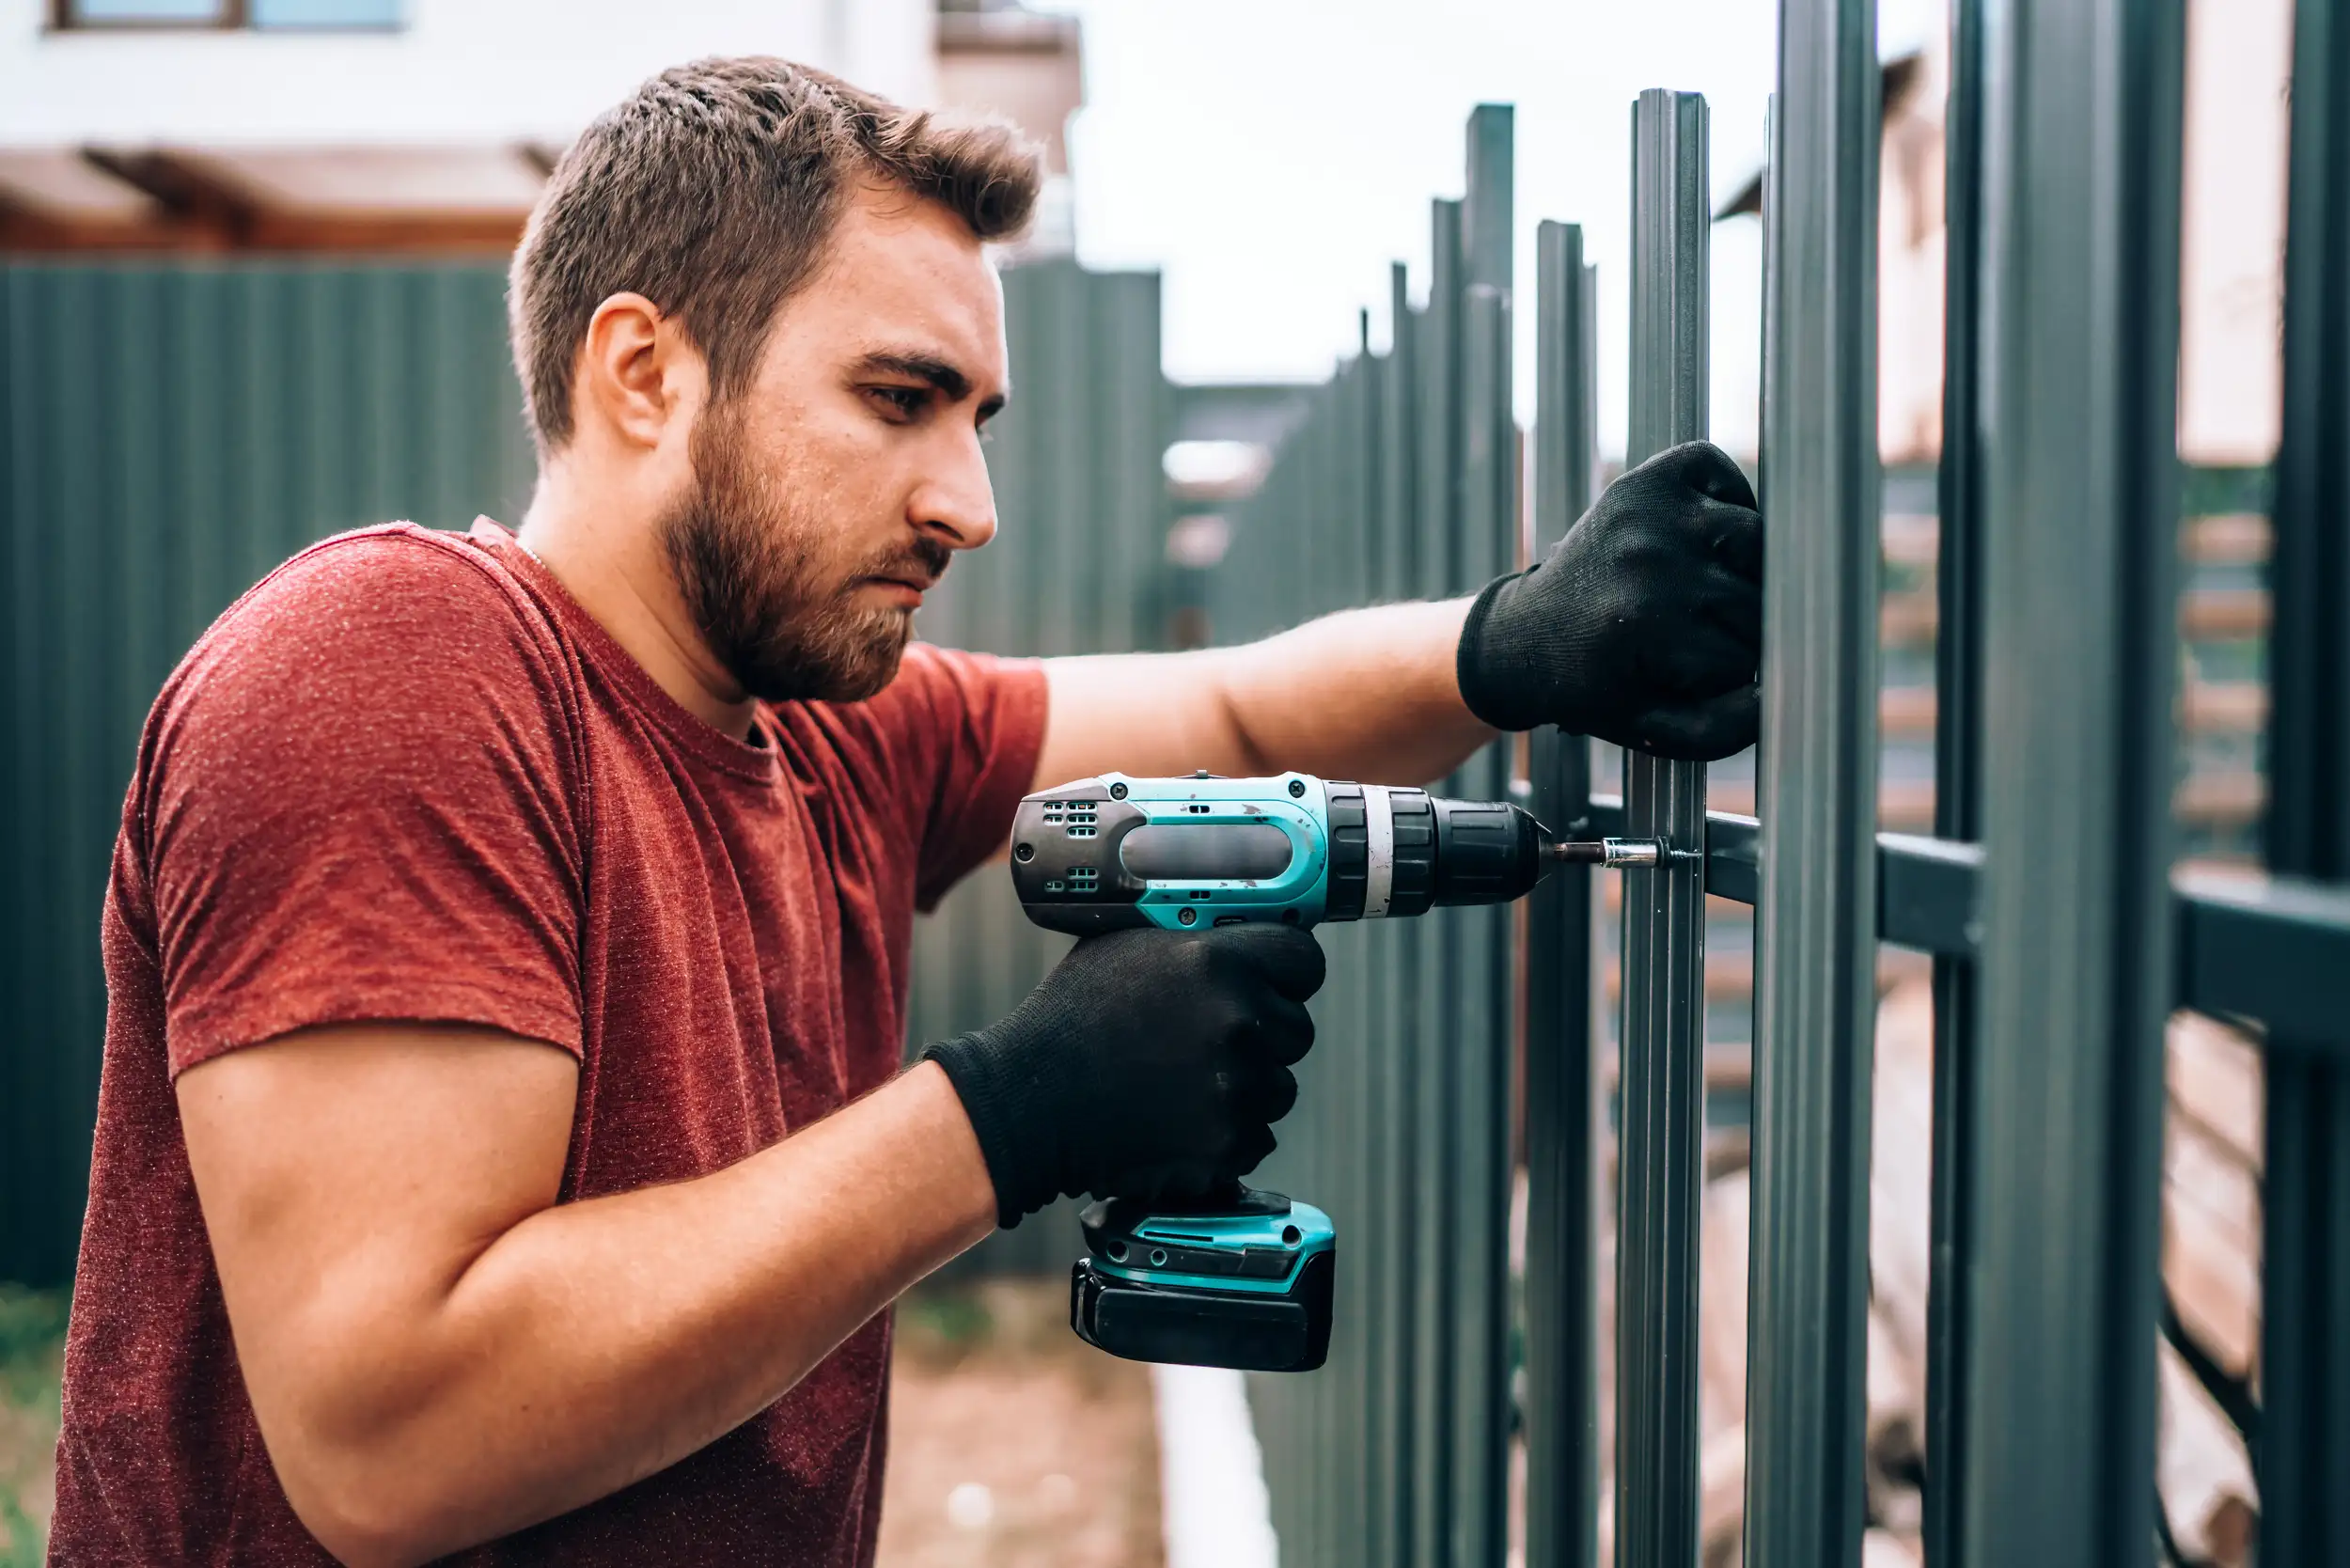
426,126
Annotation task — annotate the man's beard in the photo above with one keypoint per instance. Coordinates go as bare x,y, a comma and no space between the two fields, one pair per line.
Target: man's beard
746,555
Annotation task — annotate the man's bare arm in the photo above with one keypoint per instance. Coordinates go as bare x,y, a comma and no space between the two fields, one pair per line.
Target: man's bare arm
439,1354
1364,693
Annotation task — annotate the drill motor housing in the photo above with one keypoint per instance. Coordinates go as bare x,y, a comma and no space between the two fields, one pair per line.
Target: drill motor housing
1244,1279
1108,853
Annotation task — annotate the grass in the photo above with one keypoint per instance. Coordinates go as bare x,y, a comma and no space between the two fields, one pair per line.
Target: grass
32,1353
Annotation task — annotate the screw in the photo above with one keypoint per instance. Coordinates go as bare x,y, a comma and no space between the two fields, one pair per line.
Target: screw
1297,789
1118,792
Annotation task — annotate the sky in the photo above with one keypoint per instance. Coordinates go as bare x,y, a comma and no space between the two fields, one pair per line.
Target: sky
1272,157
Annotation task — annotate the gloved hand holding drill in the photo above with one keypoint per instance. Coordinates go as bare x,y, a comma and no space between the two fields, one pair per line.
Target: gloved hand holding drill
1151,1063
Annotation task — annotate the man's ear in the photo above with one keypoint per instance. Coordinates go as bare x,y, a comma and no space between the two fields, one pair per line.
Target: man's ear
638,375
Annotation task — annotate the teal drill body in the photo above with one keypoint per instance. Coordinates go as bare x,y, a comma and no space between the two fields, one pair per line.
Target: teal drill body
1244,1279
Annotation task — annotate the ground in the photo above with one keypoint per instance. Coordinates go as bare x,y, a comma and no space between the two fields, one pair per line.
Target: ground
1012,1444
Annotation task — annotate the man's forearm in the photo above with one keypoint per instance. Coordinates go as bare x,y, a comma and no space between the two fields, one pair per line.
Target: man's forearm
1366,694
595,1343
1363,693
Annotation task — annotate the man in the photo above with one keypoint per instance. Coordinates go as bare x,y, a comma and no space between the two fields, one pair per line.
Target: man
503,1147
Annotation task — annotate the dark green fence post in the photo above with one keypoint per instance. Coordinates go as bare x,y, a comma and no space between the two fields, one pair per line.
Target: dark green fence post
1957,787
2303,1451
1565,1116
1484,544
2081,124
1815,970
1435,1436
1391,952
1662,1097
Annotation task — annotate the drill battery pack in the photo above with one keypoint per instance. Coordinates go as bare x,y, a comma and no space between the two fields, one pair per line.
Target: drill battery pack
1244,1281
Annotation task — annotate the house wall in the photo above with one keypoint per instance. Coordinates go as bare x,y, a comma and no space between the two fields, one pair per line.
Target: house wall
460,70
2240,55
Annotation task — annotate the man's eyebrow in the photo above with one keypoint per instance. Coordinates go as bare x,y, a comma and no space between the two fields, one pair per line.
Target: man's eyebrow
948,382
951,383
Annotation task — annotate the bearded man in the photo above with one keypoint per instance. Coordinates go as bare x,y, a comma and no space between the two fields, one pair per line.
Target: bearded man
503,1146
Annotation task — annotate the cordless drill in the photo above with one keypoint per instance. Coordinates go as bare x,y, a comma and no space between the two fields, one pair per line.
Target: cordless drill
1244,1277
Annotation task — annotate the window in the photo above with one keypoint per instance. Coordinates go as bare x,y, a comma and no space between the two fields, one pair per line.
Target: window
261,15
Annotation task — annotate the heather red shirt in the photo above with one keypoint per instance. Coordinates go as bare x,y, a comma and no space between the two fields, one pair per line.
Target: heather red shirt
407,777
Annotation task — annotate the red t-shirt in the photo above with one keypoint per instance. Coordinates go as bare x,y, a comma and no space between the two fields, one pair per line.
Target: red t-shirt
407,777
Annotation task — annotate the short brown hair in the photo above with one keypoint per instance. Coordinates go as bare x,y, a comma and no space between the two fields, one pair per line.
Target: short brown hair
712,191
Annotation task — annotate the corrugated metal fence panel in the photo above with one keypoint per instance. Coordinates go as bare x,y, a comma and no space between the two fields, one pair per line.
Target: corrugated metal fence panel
1081,503
168,433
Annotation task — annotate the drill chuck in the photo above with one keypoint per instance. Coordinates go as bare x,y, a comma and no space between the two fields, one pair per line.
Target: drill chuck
1398,851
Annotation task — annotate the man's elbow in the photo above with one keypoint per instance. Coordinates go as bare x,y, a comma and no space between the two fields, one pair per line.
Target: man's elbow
368,1506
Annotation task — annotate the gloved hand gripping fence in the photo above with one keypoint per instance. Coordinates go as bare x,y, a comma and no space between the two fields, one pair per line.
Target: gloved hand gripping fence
1643,626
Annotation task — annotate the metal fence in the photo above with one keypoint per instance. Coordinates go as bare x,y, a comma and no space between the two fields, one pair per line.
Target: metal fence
167,434
2063,934
1404,484
169,431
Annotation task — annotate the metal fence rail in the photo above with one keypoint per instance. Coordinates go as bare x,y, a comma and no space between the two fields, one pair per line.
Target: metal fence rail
2303,1438
1565,1110
1661,1102
1815,959
169,431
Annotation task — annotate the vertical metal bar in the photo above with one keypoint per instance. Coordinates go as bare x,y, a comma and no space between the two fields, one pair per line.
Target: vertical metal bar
1957,789
1484,544
1347,528
2304,1456
1662,1092
1481,1037
2081,147
1398,1271
1365,525
1436,980
1815,971
1563,1110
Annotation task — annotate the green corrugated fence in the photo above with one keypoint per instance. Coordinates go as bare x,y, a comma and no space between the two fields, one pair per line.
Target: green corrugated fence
169,431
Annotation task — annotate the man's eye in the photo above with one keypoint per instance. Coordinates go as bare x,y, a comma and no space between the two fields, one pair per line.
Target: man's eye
904,403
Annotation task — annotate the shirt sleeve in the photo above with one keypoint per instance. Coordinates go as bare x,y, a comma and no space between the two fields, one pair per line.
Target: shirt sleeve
964,731
357,802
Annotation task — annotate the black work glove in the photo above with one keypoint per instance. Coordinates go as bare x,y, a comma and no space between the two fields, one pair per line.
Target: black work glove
1149,1064
1644,626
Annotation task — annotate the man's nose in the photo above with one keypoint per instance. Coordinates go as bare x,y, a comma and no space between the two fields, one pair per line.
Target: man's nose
956,504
